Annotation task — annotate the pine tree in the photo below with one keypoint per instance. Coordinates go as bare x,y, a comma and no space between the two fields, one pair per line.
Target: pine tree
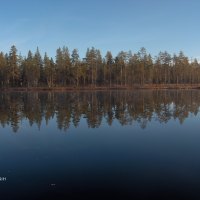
39,69
109,64
3,67
75,64
49,70
29,69
13,66
67,65
92,65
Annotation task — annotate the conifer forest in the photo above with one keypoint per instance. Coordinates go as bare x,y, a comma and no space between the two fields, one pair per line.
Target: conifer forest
68,69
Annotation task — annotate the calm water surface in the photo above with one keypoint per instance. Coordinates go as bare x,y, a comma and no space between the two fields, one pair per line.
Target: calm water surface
100,145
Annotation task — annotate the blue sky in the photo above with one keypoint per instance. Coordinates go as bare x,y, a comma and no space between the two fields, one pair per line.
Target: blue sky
114,25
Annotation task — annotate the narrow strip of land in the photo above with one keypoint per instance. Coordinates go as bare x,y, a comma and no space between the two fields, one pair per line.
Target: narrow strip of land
114,87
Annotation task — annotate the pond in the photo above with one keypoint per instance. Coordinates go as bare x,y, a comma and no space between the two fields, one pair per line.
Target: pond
141,144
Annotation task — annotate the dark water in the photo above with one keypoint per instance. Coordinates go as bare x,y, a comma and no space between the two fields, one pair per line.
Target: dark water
100,145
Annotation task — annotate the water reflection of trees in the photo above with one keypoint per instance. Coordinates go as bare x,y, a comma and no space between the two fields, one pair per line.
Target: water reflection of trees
126,107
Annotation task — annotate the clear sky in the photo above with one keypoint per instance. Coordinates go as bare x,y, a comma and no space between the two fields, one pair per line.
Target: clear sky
114,25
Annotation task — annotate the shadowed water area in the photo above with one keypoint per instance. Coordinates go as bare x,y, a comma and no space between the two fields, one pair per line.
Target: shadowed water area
100,145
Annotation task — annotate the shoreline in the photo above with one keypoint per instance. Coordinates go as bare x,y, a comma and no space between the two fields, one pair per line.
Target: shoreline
103,88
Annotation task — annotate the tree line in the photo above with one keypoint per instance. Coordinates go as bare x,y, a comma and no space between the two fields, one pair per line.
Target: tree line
97,107
67,69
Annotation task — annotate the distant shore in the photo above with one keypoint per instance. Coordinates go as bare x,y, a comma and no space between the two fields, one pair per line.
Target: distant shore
86,88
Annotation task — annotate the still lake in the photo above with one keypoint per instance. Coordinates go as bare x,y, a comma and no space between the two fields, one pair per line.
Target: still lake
100,145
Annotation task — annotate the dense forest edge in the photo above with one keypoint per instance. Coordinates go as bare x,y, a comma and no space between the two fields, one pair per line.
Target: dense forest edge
125,71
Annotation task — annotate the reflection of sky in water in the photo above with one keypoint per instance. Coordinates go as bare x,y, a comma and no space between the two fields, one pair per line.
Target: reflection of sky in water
161,159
